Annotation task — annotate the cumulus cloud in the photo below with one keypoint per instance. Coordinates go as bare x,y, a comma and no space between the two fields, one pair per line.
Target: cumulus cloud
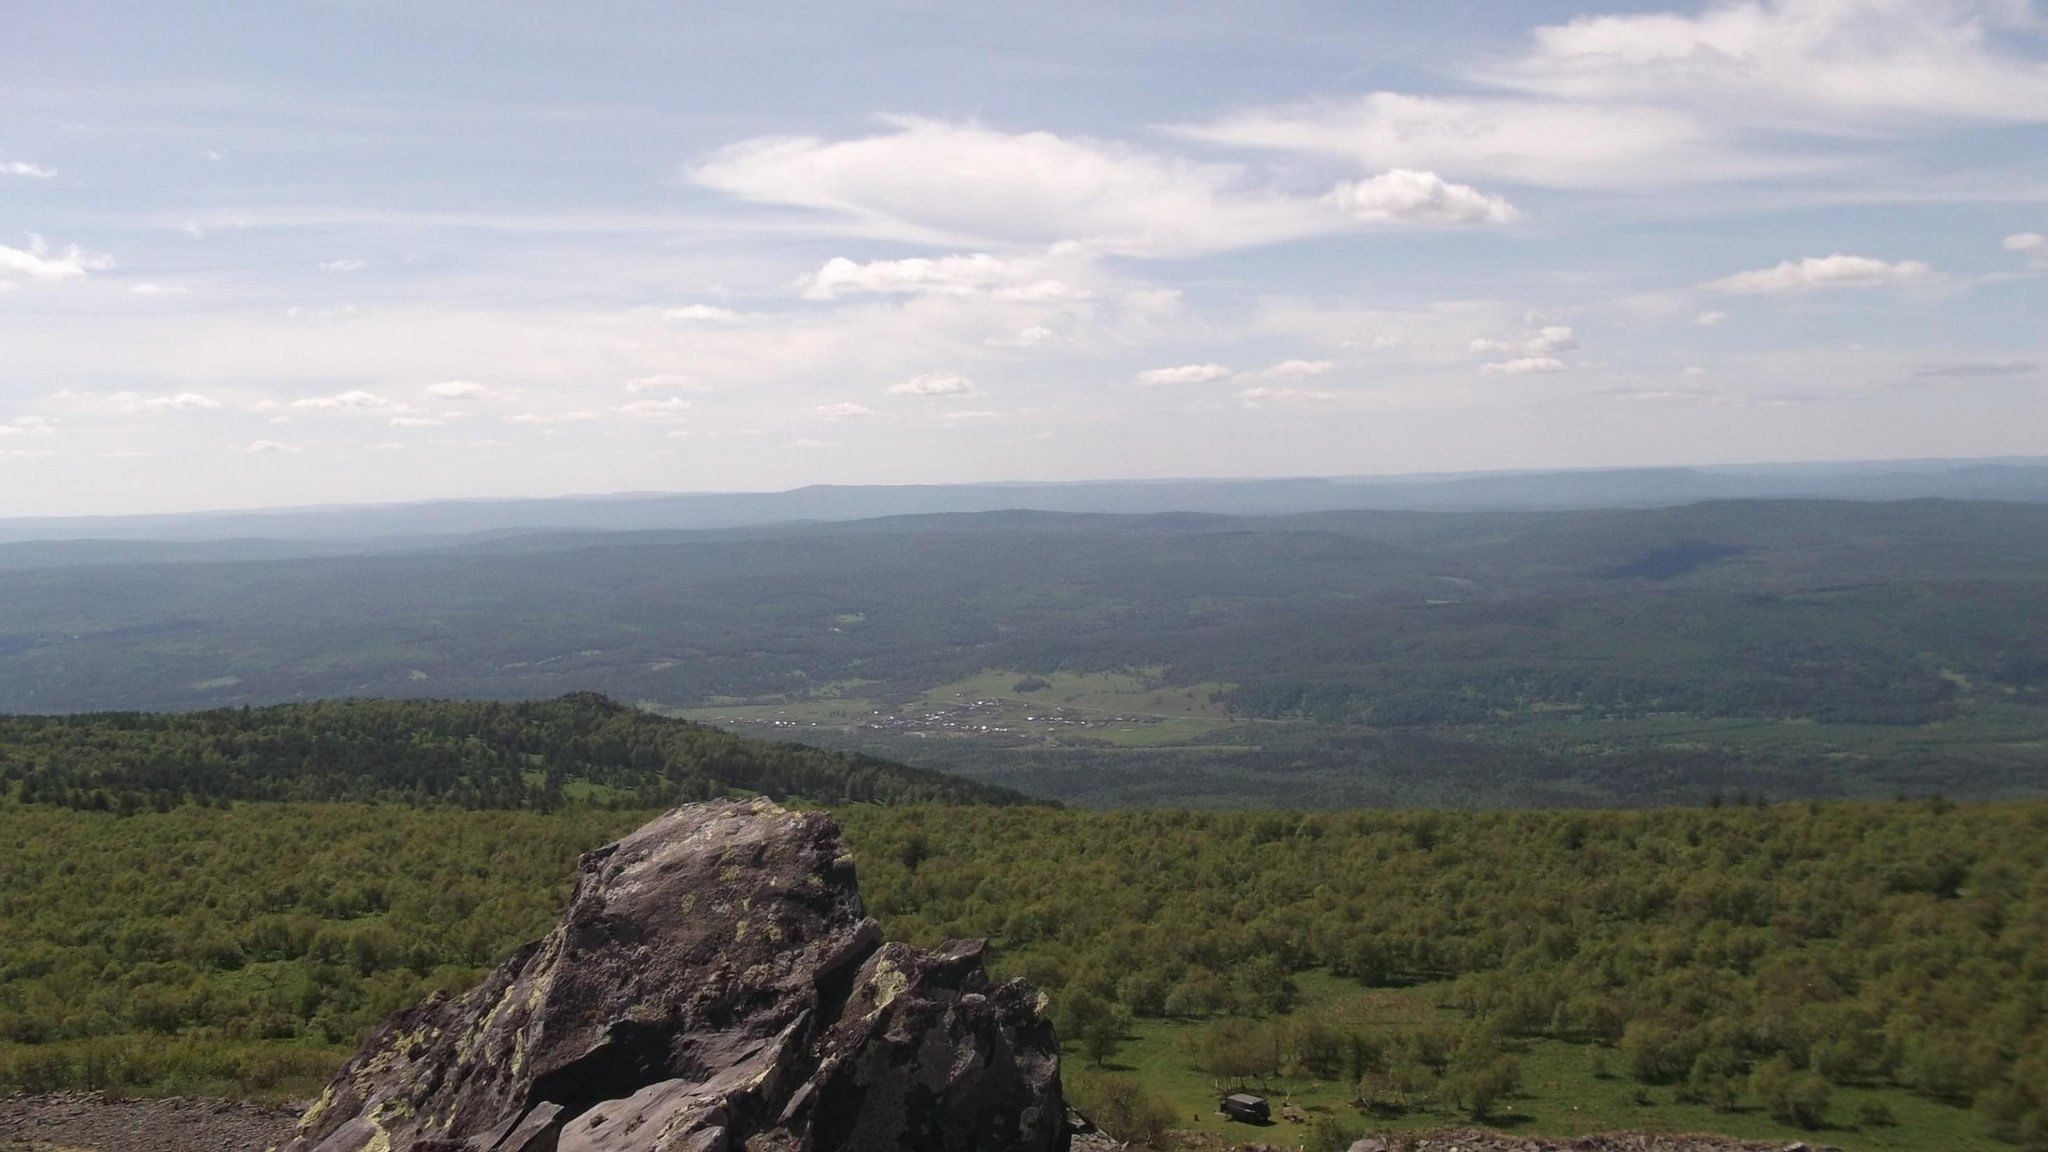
151,288
936,181
351,401
1265,395
28,426
1025,338
1407,196
933,384
41,261
267,447
1549,339
1815,273
1294,369
1742,90
576,416
459,390
1710,319
2032,245
974,274
138,404
665,409
1184,374
663,382
24,168
418,422
702,314
1837,63
346,264
846,411
1525,366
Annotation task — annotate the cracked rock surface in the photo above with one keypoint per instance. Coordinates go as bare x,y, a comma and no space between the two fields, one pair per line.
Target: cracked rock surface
714,986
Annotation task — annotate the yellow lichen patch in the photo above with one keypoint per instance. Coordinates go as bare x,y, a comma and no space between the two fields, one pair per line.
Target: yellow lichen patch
380,1140
319,1108
890,982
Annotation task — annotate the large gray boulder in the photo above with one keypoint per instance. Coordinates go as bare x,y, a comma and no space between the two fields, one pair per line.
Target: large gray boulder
714,986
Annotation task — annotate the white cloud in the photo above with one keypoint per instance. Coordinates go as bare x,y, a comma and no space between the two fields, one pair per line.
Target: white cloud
935,182
702,314
1184,374
346,264
1818,272
1550,338
1042,279
1036,334
1294,369
663,382
1710,319
576,416
351,401
24,168
933,384
28,426
1407,196
151,288
40,261
2032,245
847,411
1525,366
666,408
1841,64
1744,89
137,404
459,390
418,422
265,447
1539,142
1261,396
971,415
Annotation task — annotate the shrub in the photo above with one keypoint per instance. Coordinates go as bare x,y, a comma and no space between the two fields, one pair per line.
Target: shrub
1124,1108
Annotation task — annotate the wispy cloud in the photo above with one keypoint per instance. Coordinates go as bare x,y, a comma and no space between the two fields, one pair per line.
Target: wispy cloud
1183,374
933,384
1817,273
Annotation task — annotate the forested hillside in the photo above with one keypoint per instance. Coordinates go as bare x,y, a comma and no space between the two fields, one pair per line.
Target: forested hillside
1643,656
1875,969
459,753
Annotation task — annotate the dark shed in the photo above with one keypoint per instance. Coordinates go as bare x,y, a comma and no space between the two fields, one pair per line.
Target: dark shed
1245,1107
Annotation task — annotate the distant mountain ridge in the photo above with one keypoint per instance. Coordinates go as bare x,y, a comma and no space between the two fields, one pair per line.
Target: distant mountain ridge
370,527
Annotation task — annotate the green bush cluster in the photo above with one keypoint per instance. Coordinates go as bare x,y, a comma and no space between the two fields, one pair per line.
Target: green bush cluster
1734,954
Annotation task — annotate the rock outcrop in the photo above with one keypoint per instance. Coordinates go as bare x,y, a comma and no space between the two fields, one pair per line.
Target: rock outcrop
713,987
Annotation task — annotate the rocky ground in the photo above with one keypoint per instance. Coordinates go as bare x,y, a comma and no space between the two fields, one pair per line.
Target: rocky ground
1472,1140
87,1122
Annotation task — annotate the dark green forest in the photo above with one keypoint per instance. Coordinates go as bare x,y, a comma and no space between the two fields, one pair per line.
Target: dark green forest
1746,957
422,752
1793,648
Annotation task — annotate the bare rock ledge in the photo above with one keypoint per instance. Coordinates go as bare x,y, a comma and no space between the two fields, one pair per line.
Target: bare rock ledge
714,986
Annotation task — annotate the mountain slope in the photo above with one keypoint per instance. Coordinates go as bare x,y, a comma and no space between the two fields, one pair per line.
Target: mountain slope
467,754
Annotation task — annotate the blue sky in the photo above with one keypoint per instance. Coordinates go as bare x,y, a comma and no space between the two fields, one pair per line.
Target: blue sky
254,255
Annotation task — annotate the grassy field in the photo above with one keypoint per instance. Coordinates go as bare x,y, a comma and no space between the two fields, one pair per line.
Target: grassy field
1131,708
1562,1093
